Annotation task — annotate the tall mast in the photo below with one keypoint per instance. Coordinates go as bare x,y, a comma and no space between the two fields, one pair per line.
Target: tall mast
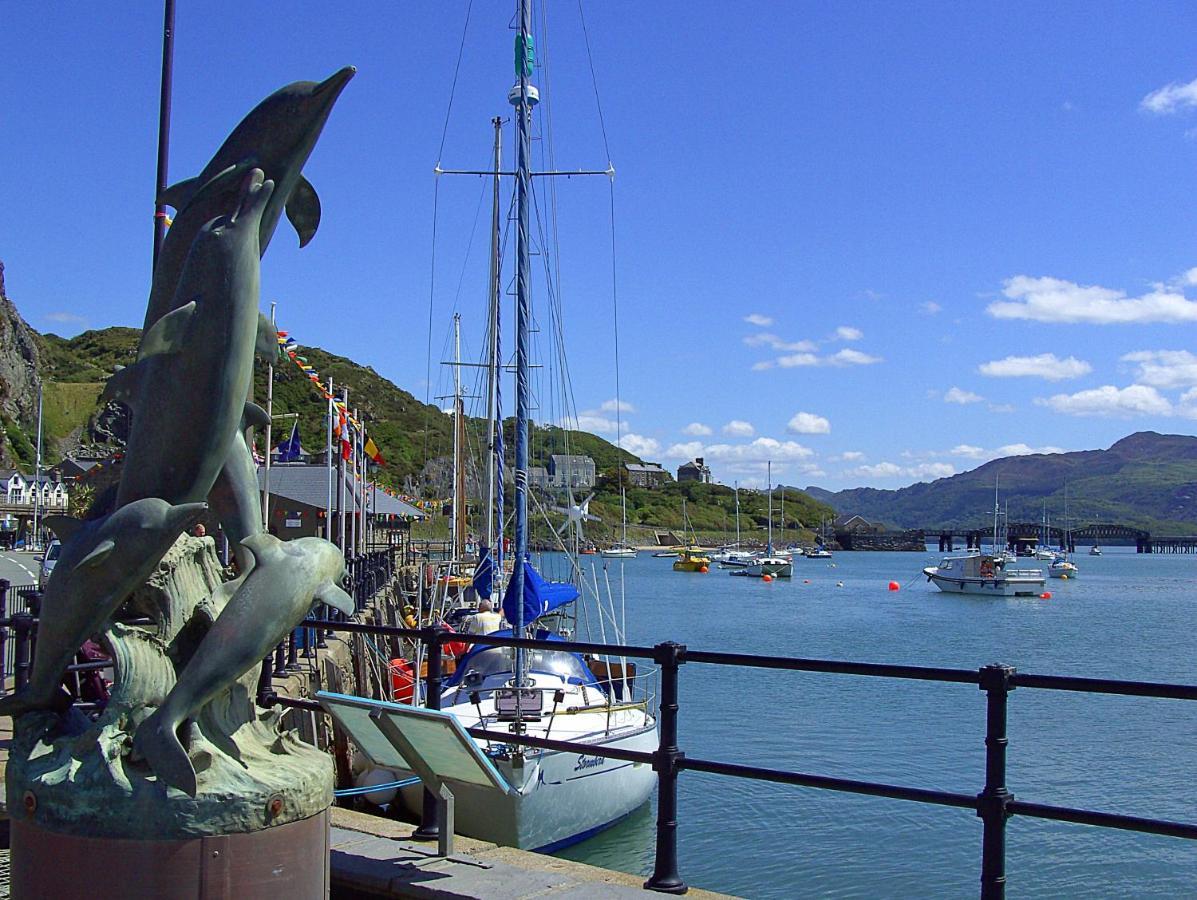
168,62
328,460
37,475
996,507
769,477
459,515
522,97
737,515
492,371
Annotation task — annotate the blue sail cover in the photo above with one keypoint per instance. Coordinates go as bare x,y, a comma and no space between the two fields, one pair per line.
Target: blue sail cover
540,596
484,573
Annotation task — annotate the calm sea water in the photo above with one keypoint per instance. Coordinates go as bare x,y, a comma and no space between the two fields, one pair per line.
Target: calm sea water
1126,616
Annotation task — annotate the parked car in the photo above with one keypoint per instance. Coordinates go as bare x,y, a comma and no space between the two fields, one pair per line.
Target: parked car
48,559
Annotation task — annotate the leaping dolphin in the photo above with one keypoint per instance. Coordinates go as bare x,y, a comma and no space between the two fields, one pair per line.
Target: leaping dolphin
102,562
277,136
273,599
189,385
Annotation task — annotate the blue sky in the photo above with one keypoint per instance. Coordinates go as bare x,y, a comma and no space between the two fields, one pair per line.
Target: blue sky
875,243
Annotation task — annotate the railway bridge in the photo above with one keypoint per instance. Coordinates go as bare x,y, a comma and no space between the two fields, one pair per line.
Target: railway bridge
1028,536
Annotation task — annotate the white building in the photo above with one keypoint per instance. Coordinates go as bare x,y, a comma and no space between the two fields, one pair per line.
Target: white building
20,490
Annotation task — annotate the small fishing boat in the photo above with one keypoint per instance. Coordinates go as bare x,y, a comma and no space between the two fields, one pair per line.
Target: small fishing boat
619,551
665,554
1095,550
772,565
731,558
974,572
817,553
691,559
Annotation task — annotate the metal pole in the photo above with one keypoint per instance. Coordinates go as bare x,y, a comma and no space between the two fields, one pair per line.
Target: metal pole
523,115
341,475
269,436
22,625
328,459
458,450
993,800
354,489
492,371
665,878
4,586
264,682
37,475
168,62
431,638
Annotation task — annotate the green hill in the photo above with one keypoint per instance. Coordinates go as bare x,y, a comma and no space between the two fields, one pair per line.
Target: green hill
1146,480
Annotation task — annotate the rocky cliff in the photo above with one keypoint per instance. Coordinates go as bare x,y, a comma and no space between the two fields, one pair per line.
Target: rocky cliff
20,361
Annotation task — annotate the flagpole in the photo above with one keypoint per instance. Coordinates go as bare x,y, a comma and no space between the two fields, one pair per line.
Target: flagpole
328,461
164,95
269,423
341,473
354,490
361,531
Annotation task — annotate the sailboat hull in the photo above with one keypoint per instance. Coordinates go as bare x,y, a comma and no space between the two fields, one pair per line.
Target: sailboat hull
561,798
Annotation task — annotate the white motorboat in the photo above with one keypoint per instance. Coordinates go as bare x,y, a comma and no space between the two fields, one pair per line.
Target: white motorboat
731,558
974,572
1045,553
1095,550
818,553
619,551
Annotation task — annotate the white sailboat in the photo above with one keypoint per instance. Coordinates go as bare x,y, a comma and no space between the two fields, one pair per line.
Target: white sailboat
770,563
622,550
558,798
733,557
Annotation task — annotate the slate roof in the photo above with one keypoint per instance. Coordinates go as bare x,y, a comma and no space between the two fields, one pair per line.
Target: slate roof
309,485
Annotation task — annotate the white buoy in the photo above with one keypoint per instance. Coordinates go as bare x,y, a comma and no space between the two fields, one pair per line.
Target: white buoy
371,777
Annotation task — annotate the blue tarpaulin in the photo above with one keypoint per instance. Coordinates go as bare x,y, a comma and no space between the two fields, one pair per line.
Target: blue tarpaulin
484,573
540,596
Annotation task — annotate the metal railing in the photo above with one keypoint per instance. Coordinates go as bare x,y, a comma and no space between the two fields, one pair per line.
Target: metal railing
994,804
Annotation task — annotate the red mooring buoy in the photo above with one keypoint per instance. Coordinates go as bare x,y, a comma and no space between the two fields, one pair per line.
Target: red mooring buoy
894,586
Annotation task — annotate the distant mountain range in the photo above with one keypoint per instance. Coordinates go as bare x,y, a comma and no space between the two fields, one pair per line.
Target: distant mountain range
1146,480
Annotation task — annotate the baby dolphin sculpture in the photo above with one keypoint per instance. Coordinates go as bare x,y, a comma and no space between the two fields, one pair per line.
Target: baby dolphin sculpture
189,385
102,562
274,598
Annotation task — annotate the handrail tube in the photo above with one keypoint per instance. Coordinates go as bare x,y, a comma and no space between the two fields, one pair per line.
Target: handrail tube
845,785
1107,686
834,666
1103,819
526,740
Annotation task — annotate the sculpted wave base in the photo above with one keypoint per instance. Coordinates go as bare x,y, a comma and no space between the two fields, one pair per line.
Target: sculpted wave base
69,775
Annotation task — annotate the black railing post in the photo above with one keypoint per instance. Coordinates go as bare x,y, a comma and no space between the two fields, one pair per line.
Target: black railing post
4,586
22,625
993,801
280,660
431,637
293,651
265,685
665,878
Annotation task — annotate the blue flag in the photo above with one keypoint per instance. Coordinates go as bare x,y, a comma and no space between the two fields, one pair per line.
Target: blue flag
288,450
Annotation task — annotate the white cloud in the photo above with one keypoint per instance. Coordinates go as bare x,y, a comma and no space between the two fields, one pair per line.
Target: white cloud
848,333
961,396
1170,98
1189,278
1025,450
767,339
797,359
968,450
739,428
1187,404
640,445
697,429
589,420
761,450
1135,400
850,357
66,318
758,319
617,405
1164,368
1001,407
922,471
808,423
851,456
930,307
762,365
1045,365
686,450
1057,300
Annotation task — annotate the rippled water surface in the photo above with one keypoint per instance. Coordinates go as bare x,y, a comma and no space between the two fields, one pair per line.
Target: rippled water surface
1126,616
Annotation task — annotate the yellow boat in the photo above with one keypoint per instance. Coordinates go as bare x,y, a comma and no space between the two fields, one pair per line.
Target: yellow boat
691,559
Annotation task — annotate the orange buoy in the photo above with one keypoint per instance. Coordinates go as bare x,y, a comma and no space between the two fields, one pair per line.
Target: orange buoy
1046,595
703,569
766,578
894,586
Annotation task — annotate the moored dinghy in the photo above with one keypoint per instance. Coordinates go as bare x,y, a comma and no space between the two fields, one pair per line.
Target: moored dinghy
975,572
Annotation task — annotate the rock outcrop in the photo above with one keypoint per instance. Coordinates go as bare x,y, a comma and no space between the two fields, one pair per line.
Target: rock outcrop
19,362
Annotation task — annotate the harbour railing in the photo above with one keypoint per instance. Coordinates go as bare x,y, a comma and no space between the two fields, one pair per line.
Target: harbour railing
995,804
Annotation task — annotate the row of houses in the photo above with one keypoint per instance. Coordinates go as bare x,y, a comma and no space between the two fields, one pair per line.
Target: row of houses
48,492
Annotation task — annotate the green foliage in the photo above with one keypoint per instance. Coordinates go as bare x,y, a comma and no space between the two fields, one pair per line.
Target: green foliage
88,357
20,445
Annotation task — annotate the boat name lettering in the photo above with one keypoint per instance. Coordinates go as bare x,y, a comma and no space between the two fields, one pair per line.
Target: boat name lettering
588,762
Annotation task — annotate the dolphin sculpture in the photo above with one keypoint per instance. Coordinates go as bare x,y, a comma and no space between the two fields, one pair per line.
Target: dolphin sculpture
102,562
189,385
277,136
273,599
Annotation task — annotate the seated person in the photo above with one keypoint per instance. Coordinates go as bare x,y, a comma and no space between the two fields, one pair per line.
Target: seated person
485,621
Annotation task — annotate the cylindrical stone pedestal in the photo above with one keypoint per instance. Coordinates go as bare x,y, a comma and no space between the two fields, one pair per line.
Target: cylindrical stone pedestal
283,861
